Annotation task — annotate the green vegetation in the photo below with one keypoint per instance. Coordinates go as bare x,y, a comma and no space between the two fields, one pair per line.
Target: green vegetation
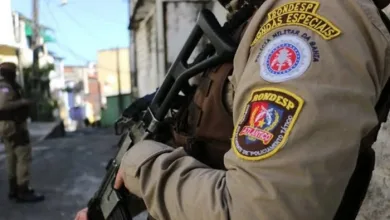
37,88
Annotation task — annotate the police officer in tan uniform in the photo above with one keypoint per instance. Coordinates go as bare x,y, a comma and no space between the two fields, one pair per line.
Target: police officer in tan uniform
14,133
307,75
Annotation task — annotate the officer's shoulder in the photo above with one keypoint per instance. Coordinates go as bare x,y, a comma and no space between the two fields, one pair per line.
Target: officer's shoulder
327,19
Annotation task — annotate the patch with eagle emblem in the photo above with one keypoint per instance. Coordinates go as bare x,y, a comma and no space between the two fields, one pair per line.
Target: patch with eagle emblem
265,123
286,57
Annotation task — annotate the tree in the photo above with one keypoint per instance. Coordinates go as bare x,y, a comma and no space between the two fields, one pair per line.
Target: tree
38,90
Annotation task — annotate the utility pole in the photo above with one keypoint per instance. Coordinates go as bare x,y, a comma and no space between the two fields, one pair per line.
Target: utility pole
35,41
35,47
120,101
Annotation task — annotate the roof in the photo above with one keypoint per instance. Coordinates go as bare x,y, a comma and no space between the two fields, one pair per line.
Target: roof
113,49
44,30
29,20
71,69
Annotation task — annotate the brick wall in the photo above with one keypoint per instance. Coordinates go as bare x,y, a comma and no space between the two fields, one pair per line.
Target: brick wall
93,96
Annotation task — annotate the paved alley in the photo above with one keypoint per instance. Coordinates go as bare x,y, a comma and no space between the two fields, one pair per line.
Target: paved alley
67,170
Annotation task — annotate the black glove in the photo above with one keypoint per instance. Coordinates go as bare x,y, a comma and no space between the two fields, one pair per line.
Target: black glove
133,113
135,109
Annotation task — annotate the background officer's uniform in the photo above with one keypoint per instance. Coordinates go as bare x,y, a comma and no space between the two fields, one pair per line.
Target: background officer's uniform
15,136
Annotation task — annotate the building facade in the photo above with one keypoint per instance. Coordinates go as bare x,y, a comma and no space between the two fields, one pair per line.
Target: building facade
158,30
113,71
82,94
8,44
93,97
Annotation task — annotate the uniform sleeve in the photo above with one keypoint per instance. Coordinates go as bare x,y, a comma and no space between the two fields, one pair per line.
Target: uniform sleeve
304,97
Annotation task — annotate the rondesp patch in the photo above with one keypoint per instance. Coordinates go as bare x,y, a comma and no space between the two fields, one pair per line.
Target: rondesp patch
298,13
265,123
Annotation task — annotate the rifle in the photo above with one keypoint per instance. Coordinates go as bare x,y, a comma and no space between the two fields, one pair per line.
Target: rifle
108,203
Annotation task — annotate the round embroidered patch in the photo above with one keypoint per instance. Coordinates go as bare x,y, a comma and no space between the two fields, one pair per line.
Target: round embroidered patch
265,123
284,58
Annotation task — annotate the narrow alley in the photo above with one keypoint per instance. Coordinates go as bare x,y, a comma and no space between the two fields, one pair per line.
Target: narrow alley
67,170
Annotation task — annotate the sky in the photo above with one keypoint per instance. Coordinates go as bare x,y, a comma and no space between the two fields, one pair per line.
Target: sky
81,27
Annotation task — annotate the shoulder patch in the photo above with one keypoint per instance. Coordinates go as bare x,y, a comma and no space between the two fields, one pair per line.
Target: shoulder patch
301,13
266,122
4,89
285,57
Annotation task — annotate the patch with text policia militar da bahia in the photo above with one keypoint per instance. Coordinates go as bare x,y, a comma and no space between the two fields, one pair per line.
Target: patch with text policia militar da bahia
299,13
265,123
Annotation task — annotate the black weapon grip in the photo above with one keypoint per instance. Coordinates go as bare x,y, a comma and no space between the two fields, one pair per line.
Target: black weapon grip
180,71
177,77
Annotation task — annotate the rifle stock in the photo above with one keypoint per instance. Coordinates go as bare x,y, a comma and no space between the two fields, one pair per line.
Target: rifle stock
108,203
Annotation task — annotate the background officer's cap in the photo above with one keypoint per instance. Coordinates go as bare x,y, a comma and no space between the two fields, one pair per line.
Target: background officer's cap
8,66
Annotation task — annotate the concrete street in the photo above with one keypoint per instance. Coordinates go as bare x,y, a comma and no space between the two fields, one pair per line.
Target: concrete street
38,131
67,170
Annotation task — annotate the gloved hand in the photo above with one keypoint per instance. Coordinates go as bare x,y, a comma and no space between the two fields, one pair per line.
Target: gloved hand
133,113
138,106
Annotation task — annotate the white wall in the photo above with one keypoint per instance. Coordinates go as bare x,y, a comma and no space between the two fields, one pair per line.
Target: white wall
26,54
146,51
219,11
7,36
179,18
57,78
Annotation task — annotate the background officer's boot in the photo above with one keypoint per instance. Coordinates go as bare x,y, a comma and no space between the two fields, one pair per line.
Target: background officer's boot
13,187
26,194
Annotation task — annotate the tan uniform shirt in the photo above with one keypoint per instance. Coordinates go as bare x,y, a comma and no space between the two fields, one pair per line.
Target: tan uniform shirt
307,77
7,94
